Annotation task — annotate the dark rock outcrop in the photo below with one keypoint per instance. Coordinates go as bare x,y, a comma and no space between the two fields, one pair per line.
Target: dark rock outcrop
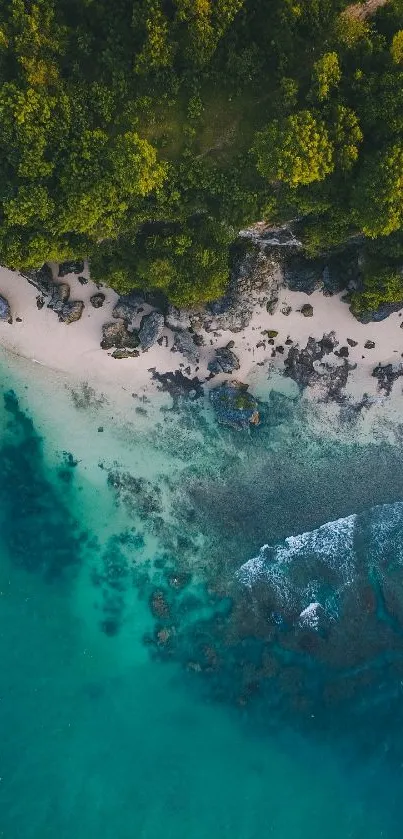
179,386
234,406
125,354
59,296
377,315
75,266
97,300
151,329
255,281
301,365
177,319
225,361
185,344
387,375
72,311
41,278
124,310
301,274
116,335
5,311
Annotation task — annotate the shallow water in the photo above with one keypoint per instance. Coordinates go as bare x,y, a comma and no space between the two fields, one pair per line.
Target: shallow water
147,686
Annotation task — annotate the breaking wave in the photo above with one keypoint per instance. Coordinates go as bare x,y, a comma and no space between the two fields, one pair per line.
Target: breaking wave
307,576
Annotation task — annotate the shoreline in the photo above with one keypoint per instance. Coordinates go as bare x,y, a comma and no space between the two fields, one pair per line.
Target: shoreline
74,349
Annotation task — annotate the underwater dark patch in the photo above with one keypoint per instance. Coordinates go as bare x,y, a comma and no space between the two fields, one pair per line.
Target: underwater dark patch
37,528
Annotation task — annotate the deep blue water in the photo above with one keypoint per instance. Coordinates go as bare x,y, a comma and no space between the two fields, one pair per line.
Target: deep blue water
152,682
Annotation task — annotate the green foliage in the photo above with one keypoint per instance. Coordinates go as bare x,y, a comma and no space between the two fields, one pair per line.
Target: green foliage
297,151
380,285
397,47
378,194
145,133
347,137
189,267
327,74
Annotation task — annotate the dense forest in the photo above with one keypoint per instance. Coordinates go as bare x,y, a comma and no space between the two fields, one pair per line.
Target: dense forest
145,133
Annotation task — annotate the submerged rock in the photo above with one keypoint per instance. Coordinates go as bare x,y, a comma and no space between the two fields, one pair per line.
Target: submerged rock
151,328
75,266
225,361
387,375
5,311
234,406
179,386
116,334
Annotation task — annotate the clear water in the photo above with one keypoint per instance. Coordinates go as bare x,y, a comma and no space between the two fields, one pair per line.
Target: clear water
146,690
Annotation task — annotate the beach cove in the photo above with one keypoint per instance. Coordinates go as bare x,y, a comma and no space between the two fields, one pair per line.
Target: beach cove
142,684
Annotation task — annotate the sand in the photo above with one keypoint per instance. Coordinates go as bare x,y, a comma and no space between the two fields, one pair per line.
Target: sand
74,349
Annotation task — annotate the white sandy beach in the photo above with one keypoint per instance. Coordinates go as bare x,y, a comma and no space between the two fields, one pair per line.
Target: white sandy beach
74,349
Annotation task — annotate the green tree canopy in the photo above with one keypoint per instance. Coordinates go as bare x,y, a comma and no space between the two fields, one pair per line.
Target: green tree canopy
378,193
296,151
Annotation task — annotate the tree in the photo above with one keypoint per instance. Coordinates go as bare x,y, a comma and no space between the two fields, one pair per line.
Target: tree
378,193
296,151
397,47
347,137
326,75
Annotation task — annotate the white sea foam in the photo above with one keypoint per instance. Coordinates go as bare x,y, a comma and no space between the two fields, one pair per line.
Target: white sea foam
331,547
310,616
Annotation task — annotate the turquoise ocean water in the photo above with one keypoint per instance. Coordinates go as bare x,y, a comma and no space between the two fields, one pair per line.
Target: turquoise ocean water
160,673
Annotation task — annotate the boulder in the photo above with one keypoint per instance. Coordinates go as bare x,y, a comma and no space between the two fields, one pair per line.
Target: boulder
234,406
116,334
97,300
125,354
41,278
307,310
151,328
225,361
59,295
184,343
124,310
75,266
5,311
369,345
177,318
71,311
